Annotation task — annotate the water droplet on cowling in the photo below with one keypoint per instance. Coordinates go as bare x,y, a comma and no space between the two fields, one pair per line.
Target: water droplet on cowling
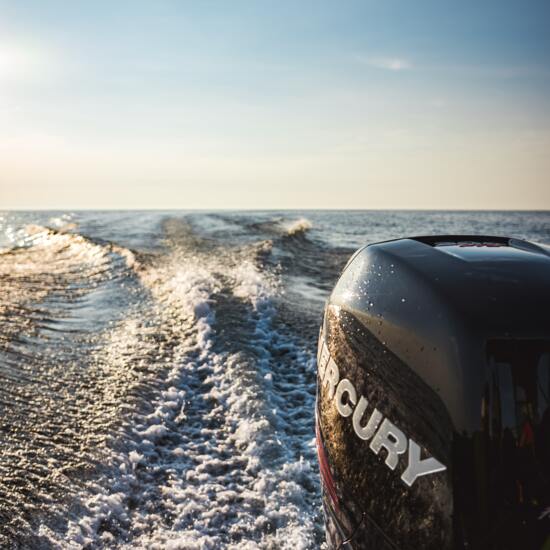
403,300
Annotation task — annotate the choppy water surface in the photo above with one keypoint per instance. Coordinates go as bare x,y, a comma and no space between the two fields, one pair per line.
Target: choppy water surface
157,372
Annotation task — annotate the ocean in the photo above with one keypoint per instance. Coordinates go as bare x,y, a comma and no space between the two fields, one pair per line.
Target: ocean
157,370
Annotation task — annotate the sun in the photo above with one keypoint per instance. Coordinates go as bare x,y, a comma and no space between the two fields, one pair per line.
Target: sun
14,61
8,62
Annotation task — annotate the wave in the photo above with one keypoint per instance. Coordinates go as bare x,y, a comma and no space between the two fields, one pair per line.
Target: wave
61,294
297,227
211,441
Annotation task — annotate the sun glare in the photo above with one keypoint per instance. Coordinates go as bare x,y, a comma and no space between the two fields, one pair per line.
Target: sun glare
10,60
16,62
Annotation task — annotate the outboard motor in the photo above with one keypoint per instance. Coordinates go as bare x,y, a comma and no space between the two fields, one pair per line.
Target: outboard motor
433,418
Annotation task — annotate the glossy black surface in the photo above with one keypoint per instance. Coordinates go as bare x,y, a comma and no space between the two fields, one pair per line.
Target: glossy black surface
449,338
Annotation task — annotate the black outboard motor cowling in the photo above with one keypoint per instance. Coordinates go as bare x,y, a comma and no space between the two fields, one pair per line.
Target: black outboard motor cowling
433,418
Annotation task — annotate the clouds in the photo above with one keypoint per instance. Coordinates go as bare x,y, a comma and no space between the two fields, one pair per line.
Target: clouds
389,63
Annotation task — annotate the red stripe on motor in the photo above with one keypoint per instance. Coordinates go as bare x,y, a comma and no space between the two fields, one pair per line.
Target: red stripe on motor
326,476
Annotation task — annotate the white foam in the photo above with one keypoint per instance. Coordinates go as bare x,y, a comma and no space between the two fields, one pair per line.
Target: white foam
210,464
298,226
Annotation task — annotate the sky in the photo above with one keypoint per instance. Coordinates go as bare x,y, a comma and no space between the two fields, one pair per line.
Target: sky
287,104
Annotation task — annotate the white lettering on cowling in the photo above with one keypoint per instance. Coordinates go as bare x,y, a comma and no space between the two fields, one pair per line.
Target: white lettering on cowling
322,360
331,377
392,439
418,467
345,387
384,433
375,418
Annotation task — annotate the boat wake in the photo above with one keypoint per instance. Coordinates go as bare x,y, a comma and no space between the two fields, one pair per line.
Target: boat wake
179,401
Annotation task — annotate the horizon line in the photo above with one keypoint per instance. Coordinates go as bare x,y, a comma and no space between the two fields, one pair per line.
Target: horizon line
248,209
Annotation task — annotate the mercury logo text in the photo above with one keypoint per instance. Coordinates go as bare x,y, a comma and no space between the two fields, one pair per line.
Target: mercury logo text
380,431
